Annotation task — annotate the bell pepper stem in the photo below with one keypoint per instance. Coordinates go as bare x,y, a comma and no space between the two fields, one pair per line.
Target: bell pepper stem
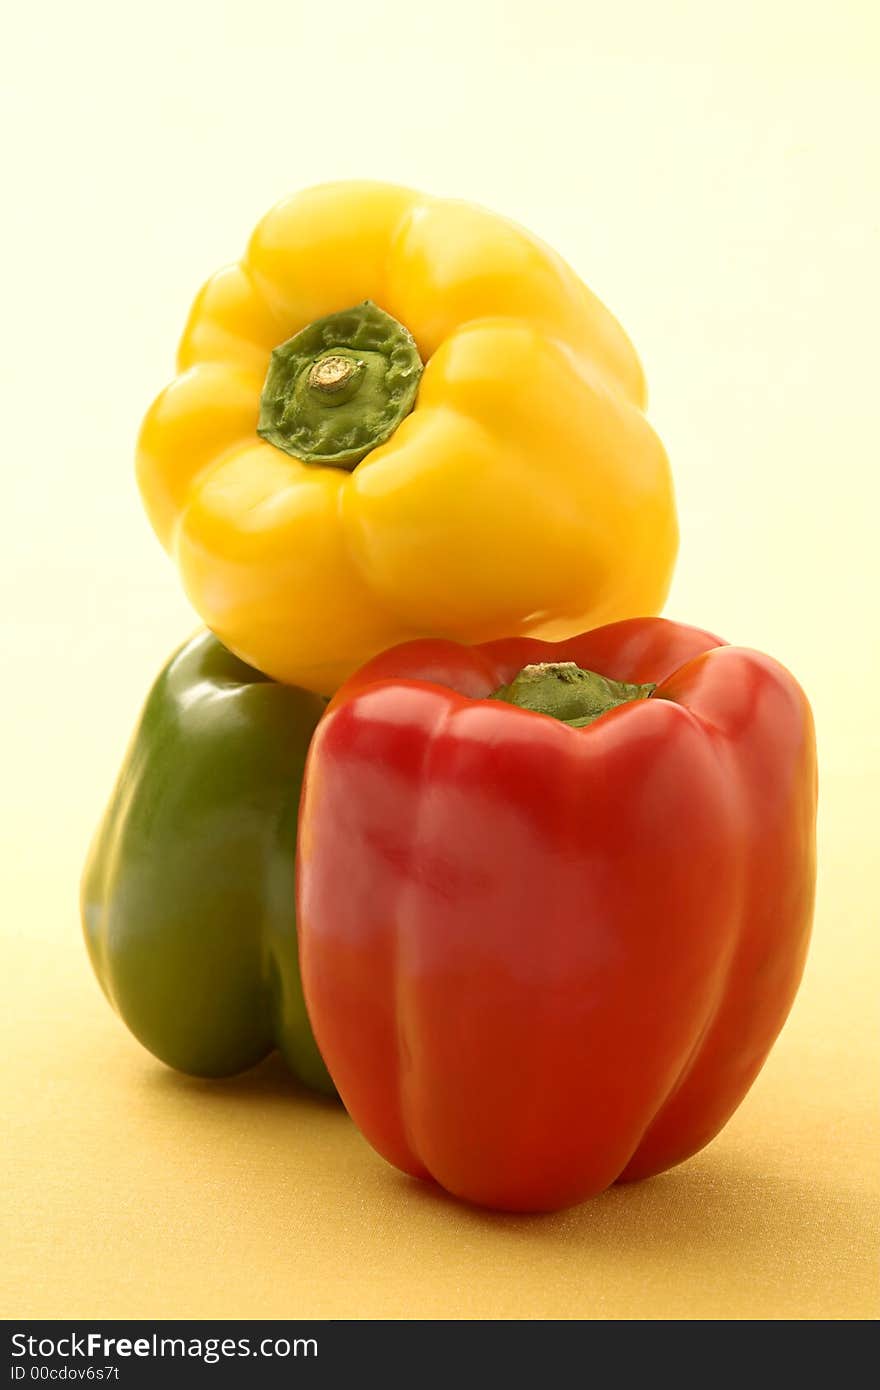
340,387
567,692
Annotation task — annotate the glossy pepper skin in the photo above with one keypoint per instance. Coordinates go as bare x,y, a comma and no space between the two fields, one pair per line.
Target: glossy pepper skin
501,503
188,893
539,959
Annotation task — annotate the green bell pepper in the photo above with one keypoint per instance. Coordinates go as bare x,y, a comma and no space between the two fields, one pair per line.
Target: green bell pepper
188,894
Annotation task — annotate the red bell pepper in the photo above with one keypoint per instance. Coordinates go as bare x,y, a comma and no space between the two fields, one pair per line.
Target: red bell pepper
545,951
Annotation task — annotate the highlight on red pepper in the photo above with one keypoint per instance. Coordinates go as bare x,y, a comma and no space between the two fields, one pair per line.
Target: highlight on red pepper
554,901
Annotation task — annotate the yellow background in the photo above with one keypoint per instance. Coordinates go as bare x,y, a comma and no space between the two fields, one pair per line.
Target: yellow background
711,171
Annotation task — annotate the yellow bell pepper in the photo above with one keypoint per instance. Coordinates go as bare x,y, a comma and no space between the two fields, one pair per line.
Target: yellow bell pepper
399,416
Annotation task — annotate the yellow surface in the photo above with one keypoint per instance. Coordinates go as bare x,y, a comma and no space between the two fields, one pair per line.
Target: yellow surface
527,437
708,169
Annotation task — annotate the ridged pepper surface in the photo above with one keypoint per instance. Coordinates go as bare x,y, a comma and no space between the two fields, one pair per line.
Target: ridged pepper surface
399,416
554,901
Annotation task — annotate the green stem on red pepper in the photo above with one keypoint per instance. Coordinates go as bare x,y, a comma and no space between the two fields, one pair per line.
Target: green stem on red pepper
568,693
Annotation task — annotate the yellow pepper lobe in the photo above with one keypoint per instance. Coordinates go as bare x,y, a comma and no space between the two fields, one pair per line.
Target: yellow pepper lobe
340,386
